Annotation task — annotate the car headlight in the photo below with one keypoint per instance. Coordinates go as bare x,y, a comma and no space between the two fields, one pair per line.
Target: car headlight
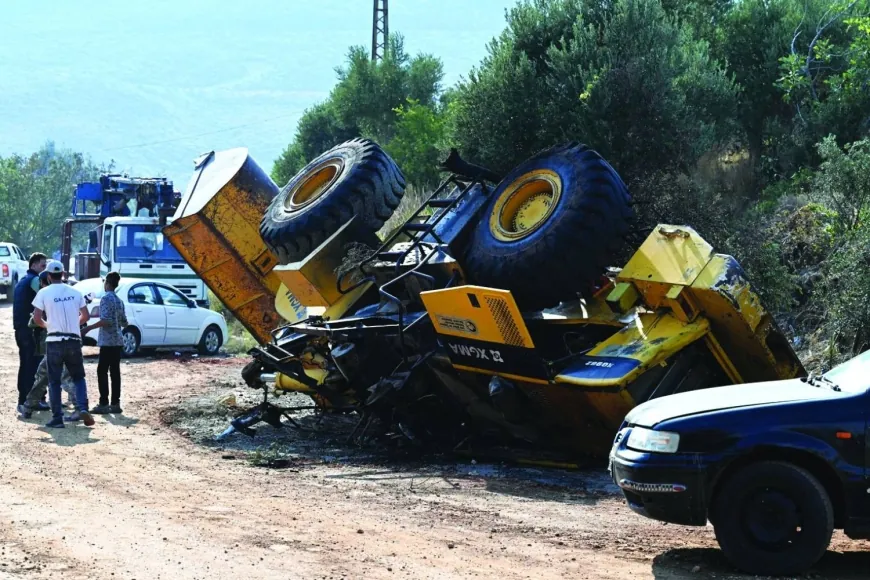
642,439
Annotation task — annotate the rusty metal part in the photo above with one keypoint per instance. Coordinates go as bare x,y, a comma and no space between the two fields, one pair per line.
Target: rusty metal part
216,230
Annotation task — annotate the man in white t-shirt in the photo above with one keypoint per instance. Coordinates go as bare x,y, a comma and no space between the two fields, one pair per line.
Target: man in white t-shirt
61,310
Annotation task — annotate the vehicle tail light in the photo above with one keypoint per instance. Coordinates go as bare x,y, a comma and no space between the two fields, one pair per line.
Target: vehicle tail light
5,270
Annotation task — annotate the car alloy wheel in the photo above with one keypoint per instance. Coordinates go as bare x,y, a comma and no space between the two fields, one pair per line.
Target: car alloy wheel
131,343
212,341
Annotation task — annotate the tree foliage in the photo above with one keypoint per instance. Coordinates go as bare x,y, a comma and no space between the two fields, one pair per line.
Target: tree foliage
417,143
843,181
36,194
827,78
625,77
367,101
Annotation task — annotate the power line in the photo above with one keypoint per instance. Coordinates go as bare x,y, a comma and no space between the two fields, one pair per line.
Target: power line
293,114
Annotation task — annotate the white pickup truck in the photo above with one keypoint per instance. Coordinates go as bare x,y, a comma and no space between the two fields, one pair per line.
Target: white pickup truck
13,267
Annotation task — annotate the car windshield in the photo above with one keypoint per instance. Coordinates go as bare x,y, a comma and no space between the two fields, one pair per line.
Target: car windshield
853,376
4,251
144,243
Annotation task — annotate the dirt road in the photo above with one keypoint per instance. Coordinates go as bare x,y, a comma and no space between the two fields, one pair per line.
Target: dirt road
134,498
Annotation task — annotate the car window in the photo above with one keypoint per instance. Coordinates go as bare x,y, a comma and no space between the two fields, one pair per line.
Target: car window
20,253
170,297
4,252
142,294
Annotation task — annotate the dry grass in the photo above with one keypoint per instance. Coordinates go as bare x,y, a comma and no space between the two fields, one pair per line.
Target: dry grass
412,200
239,341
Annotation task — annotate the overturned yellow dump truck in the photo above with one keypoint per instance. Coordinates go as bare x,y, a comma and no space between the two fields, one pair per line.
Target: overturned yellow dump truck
490,320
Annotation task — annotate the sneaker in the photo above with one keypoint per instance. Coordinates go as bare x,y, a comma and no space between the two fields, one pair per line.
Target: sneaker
115,409
55,424
43,406
86,417
73,417
102,410
24,411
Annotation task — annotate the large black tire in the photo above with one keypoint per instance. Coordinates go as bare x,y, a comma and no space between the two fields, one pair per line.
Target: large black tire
574,243
354,178
755,502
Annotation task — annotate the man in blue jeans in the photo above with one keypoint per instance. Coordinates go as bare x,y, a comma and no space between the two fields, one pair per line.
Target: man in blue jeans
61,310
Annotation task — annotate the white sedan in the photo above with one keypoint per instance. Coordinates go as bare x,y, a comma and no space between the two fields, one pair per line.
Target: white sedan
159,316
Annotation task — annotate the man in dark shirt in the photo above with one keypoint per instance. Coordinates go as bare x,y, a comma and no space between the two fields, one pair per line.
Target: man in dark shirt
22,308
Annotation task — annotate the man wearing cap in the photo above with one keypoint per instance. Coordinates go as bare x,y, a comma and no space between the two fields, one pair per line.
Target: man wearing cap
40,382
61,310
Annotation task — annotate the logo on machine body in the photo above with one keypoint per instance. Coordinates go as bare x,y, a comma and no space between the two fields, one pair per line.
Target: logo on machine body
457,324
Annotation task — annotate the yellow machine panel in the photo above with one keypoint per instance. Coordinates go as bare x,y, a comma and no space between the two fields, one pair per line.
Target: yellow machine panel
746,332
477,313
313,281
651,340
671,255
484,332
216,230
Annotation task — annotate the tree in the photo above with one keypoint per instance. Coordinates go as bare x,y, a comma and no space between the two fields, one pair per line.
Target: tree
366,102
622,76
843,181
417,143
753,36
827,77
36,195
318,130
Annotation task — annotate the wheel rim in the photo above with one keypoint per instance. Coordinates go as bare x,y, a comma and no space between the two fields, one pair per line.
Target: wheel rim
129,343
211,341
314,186
525,205
772,519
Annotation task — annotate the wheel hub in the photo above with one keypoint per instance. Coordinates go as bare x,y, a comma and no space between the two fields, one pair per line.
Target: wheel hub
525,205
532,211
310,189
773,519
129,342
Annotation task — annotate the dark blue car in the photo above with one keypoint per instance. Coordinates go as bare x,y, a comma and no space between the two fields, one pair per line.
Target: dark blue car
775,467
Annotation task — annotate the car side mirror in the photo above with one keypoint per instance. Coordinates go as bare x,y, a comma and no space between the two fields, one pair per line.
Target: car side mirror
191,303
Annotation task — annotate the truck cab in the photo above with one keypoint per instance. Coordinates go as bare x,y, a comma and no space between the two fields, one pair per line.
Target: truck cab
774,466
124,217
136,248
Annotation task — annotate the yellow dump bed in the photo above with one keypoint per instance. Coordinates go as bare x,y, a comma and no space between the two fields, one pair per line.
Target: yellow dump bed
216,230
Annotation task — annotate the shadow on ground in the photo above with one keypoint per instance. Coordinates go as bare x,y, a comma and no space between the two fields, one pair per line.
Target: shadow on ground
704,563
317,441
69,436
119,420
